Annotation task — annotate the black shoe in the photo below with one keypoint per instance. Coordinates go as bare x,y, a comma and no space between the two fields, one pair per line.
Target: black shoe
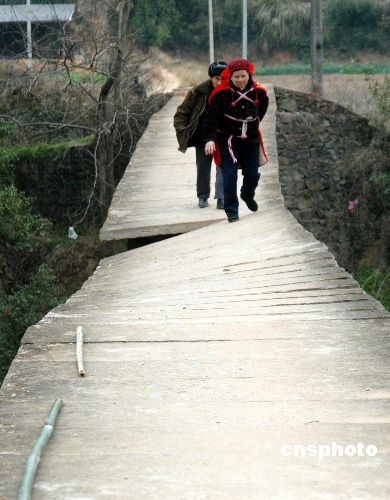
251,204
232,216
203,203
220,203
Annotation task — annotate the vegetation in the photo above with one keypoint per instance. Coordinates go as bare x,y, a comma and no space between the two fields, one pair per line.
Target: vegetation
349,26
375,282
26,285
282,24
354,25
330,68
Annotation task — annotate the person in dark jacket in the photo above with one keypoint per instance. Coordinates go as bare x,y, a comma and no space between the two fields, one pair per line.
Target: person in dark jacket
188,122
232,134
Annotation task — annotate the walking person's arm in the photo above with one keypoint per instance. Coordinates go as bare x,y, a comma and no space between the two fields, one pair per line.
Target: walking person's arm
263,103
211,121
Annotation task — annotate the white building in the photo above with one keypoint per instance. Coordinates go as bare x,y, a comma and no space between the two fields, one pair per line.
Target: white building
29,27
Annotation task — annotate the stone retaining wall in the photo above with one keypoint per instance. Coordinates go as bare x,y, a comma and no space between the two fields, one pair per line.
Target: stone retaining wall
317,140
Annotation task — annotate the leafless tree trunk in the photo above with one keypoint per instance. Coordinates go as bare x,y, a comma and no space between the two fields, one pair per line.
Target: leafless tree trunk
316,47
92,92
107,125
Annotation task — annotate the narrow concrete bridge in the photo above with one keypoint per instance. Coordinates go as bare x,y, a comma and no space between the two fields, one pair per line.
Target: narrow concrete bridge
208,356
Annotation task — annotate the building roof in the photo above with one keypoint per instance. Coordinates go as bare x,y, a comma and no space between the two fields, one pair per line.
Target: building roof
37,13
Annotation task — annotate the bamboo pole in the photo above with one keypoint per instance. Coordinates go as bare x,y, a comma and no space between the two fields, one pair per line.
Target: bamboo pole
33,459
316,47
245,29
211,31
79,350
29,35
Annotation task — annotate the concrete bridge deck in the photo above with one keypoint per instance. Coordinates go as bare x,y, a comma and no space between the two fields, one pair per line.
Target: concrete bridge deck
157,194
206,353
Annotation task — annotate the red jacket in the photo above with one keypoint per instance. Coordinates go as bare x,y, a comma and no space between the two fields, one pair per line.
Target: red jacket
233,112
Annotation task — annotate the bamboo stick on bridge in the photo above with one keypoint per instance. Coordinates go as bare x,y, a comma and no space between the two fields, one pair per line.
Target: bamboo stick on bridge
79,350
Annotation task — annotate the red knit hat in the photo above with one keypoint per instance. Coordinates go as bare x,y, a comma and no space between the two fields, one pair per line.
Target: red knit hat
239,64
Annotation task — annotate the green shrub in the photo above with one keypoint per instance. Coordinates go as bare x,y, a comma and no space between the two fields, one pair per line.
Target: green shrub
20,230
58,177
282,24
6,131
21,309
353,25
22,239
25,286
7,167
376,282
155,21
381,186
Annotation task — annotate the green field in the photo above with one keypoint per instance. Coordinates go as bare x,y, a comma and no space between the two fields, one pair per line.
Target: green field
329,68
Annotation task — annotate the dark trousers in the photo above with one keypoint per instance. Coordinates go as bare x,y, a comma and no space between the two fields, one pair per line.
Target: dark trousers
203,169
247,155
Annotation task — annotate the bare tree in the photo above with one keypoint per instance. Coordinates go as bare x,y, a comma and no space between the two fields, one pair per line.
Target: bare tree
107,123
92,90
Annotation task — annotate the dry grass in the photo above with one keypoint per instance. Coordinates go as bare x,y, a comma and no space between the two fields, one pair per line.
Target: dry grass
351,91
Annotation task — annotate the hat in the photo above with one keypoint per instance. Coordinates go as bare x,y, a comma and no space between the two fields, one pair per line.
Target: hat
239,64
216,68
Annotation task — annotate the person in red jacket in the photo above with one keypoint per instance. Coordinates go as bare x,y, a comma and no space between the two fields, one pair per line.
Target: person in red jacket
232,135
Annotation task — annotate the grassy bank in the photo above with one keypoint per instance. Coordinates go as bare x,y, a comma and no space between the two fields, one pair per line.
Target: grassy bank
375,282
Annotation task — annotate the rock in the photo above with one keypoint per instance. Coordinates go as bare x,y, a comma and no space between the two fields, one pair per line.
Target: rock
313,184
297,176
302,121
304,204
287,104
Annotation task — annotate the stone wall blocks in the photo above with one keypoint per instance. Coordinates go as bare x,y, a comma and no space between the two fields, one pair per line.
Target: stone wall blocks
284,117
304,204
297,176
303,155
316,130
299,187
316,141
313,184
287,104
